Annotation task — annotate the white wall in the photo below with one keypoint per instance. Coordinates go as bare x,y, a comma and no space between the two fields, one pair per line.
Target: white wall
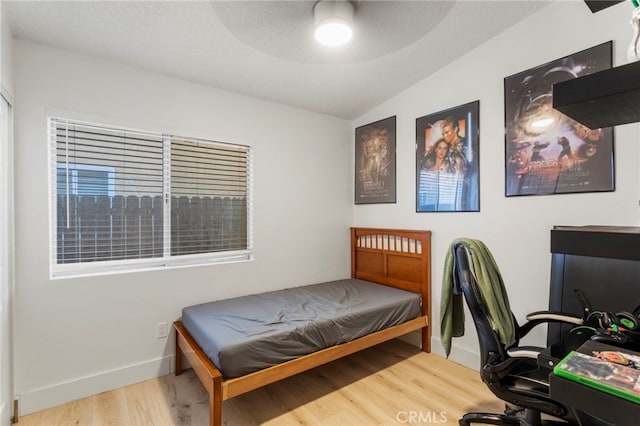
6,272
6,52
77,337
516,229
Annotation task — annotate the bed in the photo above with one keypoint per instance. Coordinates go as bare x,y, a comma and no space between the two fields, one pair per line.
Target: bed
244,345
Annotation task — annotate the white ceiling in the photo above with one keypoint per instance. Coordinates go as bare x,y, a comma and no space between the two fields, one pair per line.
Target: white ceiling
266,49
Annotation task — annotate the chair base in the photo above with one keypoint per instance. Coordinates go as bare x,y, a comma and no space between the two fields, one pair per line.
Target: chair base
511,417
488,419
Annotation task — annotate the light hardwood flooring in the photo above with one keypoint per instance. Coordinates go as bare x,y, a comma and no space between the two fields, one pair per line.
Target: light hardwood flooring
390,384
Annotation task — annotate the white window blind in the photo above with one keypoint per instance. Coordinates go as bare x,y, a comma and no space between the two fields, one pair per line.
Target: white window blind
125,200
209,192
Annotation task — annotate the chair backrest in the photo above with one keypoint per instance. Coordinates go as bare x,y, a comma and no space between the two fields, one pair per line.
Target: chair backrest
496,367
465,283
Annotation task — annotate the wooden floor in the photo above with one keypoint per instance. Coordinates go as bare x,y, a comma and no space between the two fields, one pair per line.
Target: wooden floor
390,384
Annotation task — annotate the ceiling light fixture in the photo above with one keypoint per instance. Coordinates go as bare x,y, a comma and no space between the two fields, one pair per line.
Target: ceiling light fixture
333,21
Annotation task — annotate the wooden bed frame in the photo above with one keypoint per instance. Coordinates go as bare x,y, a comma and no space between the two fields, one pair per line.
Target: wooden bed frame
396,258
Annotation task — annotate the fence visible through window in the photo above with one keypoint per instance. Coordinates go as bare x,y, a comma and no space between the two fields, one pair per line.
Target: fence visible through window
102,227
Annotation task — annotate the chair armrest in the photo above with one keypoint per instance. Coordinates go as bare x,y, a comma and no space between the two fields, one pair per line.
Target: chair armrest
525,351
492,372
541,317
550,316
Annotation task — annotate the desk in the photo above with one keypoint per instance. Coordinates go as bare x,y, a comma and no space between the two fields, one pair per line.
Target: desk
592,406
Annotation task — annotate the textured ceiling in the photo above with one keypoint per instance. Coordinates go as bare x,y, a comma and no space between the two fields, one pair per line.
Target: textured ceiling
266,49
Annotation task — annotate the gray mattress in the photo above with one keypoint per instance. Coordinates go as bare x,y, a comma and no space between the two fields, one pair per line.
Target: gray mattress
249,333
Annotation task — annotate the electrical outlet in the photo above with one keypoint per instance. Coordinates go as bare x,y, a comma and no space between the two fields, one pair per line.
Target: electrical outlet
162,330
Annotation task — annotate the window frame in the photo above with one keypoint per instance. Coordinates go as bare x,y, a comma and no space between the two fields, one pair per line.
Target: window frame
167,261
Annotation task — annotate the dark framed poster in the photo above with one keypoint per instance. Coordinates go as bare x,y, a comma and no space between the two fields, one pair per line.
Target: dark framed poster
376,162
447,160
547,152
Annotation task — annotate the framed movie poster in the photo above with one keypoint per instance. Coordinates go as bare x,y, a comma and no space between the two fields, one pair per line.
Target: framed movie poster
376,162
447,166
547,152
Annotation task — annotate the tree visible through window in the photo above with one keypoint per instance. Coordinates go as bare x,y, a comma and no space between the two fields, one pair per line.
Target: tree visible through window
146,199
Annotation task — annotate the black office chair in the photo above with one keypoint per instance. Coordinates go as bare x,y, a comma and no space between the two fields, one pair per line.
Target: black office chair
512,373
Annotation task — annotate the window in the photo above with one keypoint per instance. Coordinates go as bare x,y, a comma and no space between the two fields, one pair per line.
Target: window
124,200
78,179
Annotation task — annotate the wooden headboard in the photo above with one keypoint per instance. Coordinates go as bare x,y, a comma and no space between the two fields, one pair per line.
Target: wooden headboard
394,257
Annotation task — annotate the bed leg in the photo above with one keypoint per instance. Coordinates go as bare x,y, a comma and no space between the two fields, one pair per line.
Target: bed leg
426,341
178,365
215,403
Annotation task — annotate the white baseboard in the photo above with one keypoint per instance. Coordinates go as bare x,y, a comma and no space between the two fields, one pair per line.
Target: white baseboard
60,393
458,355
